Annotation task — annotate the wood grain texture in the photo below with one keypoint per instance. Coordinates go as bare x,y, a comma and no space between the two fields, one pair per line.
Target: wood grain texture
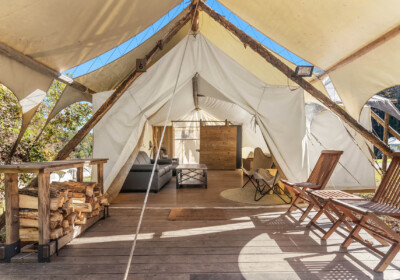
12,208
218,146
44,207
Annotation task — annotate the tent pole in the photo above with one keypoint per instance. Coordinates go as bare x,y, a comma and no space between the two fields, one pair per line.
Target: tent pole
286,70
68,148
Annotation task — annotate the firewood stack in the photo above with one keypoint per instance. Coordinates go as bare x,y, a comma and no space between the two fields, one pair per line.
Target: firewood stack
71,203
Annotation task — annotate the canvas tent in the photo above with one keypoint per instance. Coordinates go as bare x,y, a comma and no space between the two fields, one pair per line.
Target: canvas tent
242,71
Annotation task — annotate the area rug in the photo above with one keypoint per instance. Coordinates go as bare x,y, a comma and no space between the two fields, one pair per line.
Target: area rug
179,214
246,195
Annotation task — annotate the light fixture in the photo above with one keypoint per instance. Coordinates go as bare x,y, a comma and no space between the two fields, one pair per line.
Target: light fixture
304,71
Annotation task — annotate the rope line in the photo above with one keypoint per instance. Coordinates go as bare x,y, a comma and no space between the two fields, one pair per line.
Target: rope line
156,159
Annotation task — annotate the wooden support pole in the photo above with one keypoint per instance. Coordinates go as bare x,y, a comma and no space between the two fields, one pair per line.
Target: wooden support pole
12,208
385,140
41,68
68,148
393,132
44,214
79,174
100,182
287,71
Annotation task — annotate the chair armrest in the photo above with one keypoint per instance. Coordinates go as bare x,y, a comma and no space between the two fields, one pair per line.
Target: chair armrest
301,185
143,168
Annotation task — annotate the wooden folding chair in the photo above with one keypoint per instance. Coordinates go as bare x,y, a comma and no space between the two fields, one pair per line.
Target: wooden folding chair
318,179
260,161
366,215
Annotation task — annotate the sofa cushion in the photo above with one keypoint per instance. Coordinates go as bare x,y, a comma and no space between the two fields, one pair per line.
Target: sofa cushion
142,158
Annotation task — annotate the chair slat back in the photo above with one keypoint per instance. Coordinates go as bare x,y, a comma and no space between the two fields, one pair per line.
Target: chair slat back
261,160
389,190
324,168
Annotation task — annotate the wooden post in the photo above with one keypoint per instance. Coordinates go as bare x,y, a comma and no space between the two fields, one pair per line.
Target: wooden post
100,182
44,216
68,148
79,174
287,71
12,212
385,140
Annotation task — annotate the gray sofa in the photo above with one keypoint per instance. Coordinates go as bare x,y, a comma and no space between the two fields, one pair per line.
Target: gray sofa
139,175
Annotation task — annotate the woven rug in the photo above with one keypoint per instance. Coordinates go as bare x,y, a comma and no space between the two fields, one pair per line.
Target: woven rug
246,195
178,214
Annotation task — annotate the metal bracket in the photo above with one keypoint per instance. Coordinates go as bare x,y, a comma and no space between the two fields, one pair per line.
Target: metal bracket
9,251
44,253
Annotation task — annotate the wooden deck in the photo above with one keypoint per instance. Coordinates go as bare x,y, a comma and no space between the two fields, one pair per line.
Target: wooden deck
253,243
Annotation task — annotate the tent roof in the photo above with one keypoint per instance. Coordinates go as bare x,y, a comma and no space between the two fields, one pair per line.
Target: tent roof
109,76
63,34
322,32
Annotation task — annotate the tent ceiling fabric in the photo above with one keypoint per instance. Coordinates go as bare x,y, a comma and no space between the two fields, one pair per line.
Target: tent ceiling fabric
117,133
110,75
358,81
322,32
107,77
63,34
69,96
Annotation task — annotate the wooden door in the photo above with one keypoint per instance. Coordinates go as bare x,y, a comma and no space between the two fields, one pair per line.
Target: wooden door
218,146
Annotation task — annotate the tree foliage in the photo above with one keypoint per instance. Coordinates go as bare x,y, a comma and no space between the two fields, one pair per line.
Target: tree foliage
56,134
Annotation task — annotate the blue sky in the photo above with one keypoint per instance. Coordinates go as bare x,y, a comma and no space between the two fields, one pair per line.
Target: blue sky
132,43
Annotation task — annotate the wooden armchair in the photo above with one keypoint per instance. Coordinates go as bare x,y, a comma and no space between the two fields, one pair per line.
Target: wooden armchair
318,179
260,161
366,214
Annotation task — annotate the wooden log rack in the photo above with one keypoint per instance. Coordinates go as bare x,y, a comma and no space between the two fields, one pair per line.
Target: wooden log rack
46,246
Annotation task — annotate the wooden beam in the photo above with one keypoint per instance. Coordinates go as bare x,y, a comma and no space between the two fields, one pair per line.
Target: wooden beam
287,71
12,208
68,148
393,132
364,50
385,140
41,68
196,90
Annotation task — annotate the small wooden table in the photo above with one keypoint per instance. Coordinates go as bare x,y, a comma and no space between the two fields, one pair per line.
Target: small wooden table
191,174
43,170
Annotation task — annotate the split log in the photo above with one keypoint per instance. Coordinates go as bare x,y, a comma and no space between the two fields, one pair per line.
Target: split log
71,218
68,230
81,219
31,202
82,207
28,214
65,224
28,234
288,72
56,233
77,195
28,223
77,187
78,200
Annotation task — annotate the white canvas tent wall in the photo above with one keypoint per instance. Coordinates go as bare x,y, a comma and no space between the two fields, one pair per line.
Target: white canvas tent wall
326,131
284,127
